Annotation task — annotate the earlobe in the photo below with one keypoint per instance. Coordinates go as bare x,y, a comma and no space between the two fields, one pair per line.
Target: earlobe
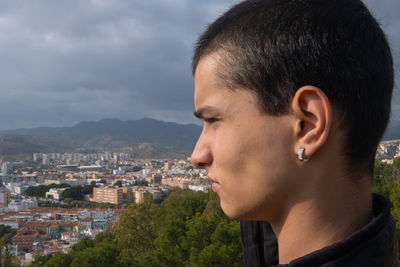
313,113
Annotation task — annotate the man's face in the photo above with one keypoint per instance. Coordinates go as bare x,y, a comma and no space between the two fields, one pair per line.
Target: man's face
247,153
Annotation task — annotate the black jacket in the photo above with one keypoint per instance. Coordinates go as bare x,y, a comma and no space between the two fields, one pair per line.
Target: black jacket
373,245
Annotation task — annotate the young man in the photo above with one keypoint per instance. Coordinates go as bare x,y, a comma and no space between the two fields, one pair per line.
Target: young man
294,96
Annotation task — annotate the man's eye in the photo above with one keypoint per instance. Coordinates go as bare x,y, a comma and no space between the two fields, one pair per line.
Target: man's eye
211,120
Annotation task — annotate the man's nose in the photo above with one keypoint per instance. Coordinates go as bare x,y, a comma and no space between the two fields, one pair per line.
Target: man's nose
201,155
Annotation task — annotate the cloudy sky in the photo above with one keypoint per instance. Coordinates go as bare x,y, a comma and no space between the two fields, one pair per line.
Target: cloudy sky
62,62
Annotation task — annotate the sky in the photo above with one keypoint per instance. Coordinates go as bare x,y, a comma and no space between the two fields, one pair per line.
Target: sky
62,62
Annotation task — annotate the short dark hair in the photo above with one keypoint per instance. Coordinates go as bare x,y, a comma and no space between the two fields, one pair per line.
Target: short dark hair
274,47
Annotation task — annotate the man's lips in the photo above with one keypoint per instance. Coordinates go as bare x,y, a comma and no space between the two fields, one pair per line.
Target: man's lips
215,185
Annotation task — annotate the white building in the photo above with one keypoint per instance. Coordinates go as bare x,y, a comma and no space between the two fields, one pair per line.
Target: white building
6,167
84,214
22,205
202,188
55,193
45,160
20,189
71,237
37,156
10,186
11,223
119,171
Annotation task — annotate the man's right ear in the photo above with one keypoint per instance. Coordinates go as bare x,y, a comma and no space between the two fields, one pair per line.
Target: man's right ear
313,113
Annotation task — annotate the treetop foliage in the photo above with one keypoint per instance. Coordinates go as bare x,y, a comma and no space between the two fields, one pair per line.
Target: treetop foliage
186,229
387,183
40,191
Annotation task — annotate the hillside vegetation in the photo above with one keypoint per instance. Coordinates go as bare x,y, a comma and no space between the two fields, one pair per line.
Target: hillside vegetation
186,229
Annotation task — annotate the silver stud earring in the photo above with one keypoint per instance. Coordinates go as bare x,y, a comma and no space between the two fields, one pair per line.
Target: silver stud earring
301,155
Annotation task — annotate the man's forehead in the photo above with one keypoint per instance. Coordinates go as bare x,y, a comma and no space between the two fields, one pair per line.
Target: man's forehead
205,80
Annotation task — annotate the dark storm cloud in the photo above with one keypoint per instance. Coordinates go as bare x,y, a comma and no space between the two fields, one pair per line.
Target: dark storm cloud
387,13
67,61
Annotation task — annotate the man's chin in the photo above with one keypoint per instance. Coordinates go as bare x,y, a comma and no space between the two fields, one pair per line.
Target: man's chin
242,214
235,213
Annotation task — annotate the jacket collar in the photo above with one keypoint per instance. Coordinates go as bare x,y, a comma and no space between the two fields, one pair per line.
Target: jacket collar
373,245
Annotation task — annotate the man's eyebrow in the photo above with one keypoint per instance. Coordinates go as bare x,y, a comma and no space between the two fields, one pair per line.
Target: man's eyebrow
199,113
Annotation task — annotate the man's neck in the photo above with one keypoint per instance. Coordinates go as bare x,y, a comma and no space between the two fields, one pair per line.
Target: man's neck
326,218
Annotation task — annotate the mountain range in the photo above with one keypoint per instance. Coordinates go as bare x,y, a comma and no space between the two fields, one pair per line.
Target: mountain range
144,138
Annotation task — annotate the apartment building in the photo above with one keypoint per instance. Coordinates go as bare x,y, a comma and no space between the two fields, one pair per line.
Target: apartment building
107,194
4,197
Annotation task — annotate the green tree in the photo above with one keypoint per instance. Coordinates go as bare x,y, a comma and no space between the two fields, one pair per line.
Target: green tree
135,231
6,234
225,247
83,244
383,179
396,169
59,260
387,183
103,253
74,193
395,199
87,189
198,236
186,229
40,191
39,260
6,257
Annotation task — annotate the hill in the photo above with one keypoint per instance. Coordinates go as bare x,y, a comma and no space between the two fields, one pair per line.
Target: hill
143,138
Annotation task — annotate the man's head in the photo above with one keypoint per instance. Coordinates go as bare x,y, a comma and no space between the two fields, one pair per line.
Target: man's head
275,47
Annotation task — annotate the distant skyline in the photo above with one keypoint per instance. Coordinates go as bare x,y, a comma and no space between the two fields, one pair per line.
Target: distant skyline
63,62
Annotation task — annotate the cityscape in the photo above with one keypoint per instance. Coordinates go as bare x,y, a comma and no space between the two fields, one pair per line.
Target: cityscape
43,223
54,218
